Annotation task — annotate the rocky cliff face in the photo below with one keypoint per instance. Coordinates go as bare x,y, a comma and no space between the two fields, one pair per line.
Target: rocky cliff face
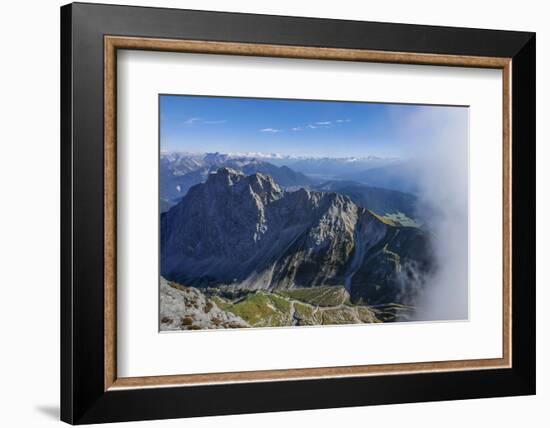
246,232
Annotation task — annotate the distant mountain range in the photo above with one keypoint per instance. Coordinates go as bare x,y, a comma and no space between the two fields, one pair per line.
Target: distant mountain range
180,171
240,228
383,189
327,168
381,201
403,176
279,156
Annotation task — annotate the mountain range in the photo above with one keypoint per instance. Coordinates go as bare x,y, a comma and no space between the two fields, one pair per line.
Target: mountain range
240,228
180,171
380,200
401,176
331,167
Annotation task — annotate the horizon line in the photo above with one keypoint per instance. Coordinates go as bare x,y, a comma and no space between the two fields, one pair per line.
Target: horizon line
274,155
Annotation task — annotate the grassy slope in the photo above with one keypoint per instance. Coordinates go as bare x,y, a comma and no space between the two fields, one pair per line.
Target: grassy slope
301,306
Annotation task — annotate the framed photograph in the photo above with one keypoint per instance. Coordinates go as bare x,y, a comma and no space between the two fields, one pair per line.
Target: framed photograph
266,213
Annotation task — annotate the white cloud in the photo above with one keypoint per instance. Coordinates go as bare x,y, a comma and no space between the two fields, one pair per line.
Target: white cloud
322,124
200,121
272,130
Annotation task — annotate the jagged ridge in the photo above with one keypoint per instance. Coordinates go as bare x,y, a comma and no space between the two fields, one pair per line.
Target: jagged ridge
246,232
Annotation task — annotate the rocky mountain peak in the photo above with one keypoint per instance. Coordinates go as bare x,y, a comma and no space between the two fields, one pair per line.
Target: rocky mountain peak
230,181
263,183
225,176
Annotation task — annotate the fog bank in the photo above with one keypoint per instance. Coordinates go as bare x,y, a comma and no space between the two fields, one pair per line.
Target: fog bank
439,152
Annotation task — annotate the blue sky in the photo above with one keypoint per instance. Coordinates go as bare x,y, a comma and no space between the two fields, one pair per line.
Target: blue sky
304,128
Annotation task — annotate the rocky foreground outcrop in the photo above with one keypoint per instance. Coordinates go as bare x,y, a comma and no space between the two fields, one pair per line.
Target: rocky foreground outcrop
186,308
247,232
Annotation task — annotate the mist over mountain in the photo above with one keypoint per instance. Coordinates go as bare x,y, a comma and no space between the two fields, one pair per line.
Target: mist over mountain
247,232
